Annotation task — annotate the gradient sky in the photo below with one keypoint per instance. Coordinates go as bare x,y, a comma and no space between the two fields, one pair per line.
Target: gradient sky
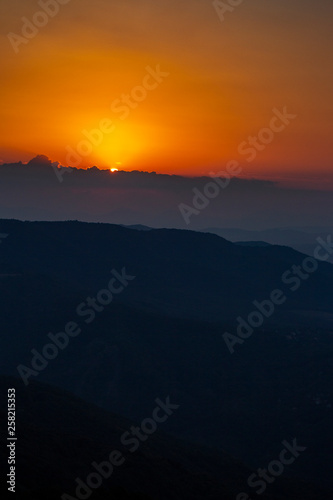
225,79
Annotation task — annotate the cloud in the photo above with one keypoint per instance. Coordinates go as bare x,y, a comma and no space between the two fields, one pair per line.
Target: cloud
32,191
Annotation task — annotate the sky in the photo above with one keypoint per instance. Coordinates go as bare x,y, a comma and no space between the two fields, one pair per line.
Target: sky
200,84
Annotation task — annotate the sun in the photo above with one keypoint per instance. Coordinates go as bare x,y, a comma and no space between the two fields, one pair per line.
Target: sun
114,170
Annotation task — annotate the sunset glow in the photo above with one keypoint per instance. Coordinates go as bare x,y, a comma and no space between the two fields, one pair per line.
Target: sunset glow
67,79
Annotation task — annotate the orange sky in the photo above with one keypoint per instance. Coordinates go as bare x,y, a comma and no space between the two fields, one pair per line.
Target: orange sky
224,80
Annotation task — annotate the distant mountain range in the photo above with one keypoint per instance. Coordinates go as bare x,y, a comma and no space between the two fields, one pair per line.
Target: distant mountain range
182,274
301,239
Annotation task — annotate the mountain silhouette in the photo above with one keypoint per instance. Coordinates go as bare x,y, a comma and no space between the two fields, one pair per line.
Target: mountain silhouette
163,334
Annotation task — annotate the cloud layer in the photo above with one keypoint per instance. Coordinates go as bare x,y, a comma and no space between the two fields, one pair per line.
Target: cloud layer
33,191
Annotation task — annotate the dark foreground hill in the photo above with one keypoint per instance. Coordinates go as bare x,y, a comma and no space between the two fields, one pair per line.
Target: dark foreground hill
162,335
60,437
